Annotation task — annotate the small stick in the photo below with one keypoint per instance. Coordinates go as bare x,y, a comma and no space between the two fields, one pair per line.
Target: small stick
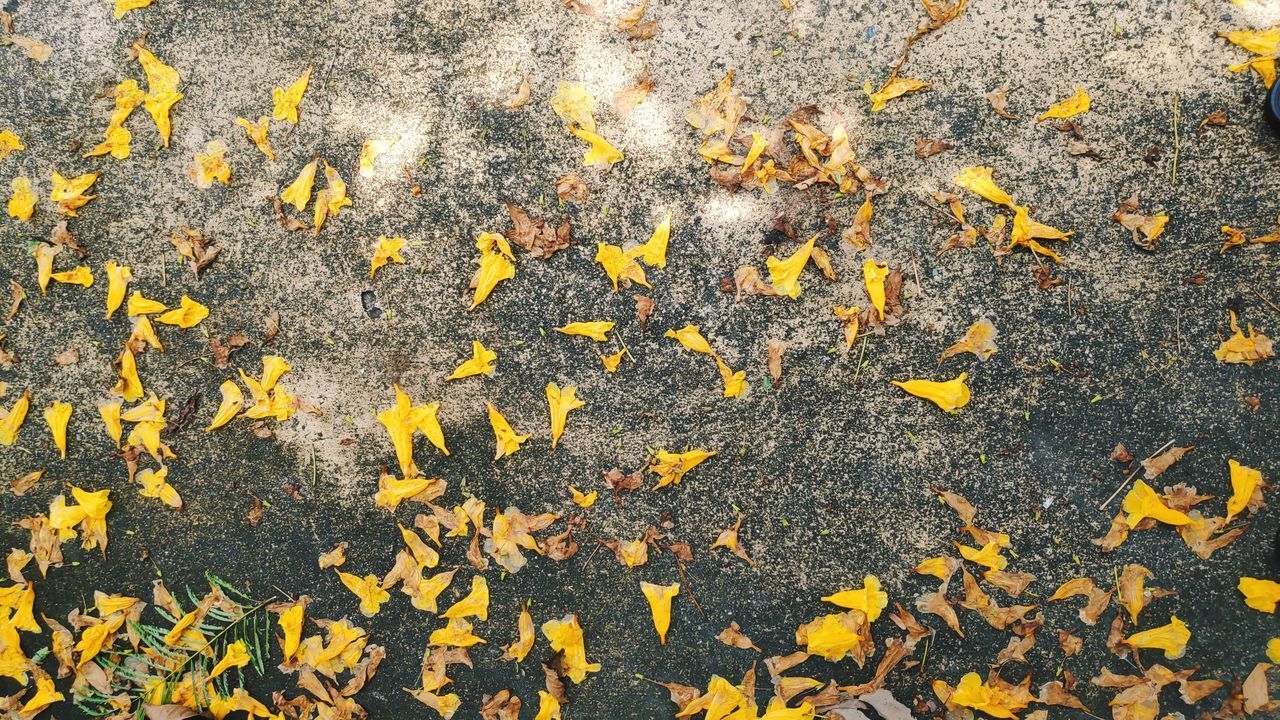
1173,180
694,598
1124,484
1270,304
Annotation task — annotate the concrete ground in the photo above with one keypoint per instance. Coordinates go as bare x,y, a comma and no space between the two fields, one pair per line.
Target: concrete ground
831,469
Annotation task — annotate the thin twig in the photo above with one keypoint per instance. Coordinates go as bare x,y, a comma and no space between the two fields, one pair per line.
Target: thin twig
1270,304
1125,484
684,579
1173,180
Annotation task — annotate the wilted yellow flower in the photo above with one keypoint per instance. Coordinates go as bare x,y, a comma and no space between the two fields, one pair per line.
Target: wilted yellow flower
57,416
972,692
257,133
387,250
1261,595
873,277
129,386
118,277
1171,638
155,484
601,154
507,440
495,266
659,597
574,104
403,420
140,305
940,567
869,599
9,143
110,414
457,633
23,201
1258,42
369,152
298,193
548,707
475,604
210,166
1245,349
69,195
849,316
187,315
895,87
832,636
392,490
595,329
44,255
368,589
618,266
1244,481
950,395
671,467
116,143
978,179
89,514
78,276
12,419
979,339
162,90
44,696
611,362
286,101
1070,107
290,623
988,556
654,252
560,402
785,274
1142,502
232,402
481,363
524,643
735,383
565,635
691,338
581,499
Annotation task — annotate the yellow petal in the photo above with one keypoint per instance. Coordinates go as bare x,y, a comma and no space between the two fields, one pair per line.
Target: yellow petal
155,485
690,337
494,268
1241,348
187,315
758,144
978,180
23,201
971,692
988,555
611,362
950,395
44,255
235,656
735,383
618,266
1261,595
57,416
601,154
337,189
979,339
129,385
595,329
873,276
110,414
560,402
387,250
1142,502
140,305
895,87
1070,107
671,467
574,104
548,707
659,597
69,194
869,599
1258,42
481,363
79,276
565,635
143,330
654,252
118,277
369,152
257,134
507,440
116,143
785,274
210,166
9,143
524,643
475,604
1244,481
581,499
298,193
44,696
232,401
368,589
286,101
1171,638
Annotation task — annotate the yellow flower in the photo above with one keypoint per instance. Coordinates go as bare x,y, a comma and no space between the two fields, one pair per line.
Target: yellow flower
581,499
236,656
1245,349
988,556
90,514
548,707
940,567
654,252
978,179
155,485
387,250
507,440
44,696
188,315
1273,650
291,625
162,90
481,363
403,420
475,604
873,276
611,362
110,413
69,194
1258,42
457,633
869,599
1171,638
44,255
691,338
298,193
57,416
671,467
257,133
286,101
9,142
1070,107
495,267
595,329
832,636
1244,481
1142,502
574,104
368,589
392,491
950,395
659,597
979,339
79,276
23,202
129,385
565,635
785,274
140,305
369,152
601,154
895,87
11,421
973,693
116,143
118,277
524,643
618,266
1261,595
210,166
561,403
232,401
735,383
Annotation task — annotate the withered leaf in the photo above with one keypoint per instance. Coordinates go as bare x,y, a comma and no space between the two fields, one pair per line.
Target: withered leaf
572,188
18,295
776,349
1217,118
644,308
1000,103
520,97
957,502
1121,455
733,637
286,222
1156,466
70,356
539,237
928,147
271,327
1070,643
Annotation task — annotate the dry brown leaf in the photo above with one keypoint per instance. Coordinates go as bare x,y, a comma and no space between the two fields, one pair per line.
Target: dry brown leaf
1000,103
539,237
286,222
572,188
927,147
733,637
957,502
1070,643
18,295
936,603
626,100
1120,454
1053,693
1217,118
520,97
644,308
776,349
1156,466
